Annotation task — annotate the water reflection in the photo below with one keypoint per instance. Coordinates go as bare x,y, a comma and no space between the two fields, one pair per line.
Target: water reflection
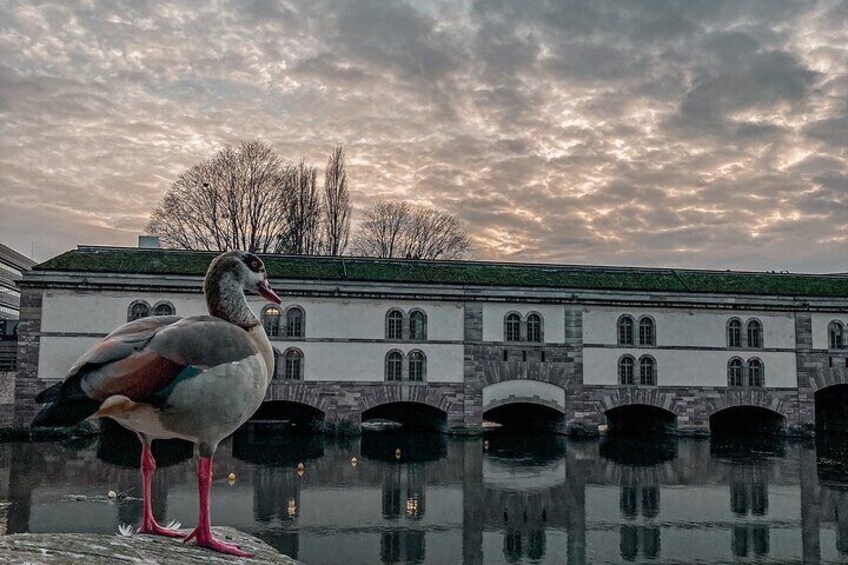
519,499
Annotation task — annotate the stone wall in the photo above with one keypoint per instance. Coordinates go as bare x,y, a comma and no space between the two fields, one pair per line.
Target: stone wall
27,384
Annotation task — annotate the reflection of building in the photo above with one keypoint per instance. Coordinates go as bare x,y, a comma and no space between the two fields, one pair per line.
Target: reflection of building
634,538
403,499
749,498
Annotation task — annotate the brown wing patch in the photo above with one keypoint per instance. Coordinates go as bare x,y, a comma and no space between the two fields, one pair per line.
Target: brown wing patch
137,377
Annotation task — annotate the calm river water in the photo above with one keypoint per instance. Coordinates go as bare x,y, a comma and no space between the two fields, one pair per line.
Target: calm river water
433,499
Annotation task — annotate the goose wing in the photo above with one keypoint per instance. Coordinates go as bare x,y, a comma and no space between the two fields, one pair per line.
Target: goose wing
142,359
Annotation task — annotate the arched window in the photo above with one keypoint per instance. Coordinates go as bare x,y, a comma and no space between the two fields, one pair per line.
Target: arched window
534,328
163,309
417,366
755,373
646,331
625,330
734,333
837,335
138,309
647,371
417,325
271,321
394,366
394,324
625,370
294,322
512,327
755,334
294,365
735,370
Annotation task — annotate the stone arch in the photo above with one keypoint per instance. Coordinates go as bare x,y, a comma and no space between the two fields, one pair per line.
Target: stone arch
755,398
524,391
418,413
392,394
500,371
827,377
299,392
652,396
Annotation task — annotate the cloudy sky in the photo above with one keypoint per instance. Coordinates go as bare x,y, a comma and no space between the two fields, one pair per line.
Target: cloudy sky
640,132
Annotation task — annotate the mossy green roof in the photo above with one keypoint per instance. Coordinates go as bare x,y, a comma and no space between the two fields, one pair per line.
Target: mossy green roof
472,273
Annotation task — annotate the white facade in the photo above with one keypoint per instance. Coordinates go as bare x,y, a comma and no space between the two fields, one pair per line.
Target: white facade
345,338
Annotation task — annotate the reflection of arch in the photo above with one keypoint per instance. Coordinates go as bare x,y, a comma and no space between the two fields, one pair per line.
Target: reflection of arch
414,448
638,451
275,449
524,391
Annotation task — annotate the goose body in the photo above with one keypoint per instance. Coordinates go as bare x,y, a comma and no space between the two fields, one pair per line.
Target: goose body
197,378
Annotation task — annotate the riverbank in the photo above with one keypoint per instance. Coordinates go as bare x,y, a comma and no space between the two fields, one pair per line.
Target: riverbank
105,549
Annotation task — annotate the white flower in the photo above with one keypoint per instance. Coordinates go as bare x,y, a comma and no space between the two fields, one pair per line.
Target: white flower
174,525
125,530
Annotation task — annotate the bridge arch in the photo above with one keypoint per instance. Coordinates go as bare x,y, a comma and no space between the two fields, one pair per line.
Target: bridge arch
635,418
410,414
525,404
750,398
746,419
831,409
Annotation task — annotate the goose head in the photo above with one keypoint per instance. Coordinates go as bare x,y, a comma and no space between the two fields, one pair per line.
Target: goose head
231,274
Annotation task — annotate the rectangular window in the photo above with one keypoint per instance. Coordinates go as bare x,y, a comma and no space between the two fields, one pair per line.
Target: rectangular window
543,356
524,356
506,355
8,361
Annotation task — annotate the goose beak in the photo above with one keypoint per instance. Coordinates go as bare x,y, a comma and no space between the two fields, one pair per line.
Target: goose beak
264,288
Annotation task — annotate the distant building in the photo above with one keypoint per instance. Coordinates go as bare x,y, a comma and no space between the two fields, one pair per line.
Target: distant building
459,342
12,267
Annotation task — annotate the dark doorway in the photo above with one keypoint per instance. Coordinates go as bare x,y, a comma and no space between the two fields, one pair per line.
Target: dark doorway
525,416
411,415
751,421
293,415
640,419
832,410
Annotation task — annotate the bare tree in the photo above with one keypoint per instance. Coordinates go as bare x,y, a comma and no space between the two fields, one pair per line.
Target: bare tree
234,200
303,211
336,204
401,229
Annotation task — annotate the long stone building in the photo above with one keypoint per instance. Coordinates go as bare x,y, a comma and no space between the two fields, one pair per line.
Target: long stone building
449,344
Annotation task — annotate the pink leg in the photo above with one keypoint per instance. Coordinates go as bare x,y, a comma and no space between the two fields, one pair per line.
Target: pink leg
148,522
203,532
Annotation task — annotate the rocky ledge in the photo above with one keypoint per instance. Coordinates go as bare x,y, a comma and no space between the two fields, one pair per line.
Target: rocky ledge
102,549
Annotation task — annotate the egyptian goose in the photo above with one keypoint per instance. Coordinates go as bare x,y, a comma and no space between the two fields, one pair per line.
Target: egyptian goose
197,378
